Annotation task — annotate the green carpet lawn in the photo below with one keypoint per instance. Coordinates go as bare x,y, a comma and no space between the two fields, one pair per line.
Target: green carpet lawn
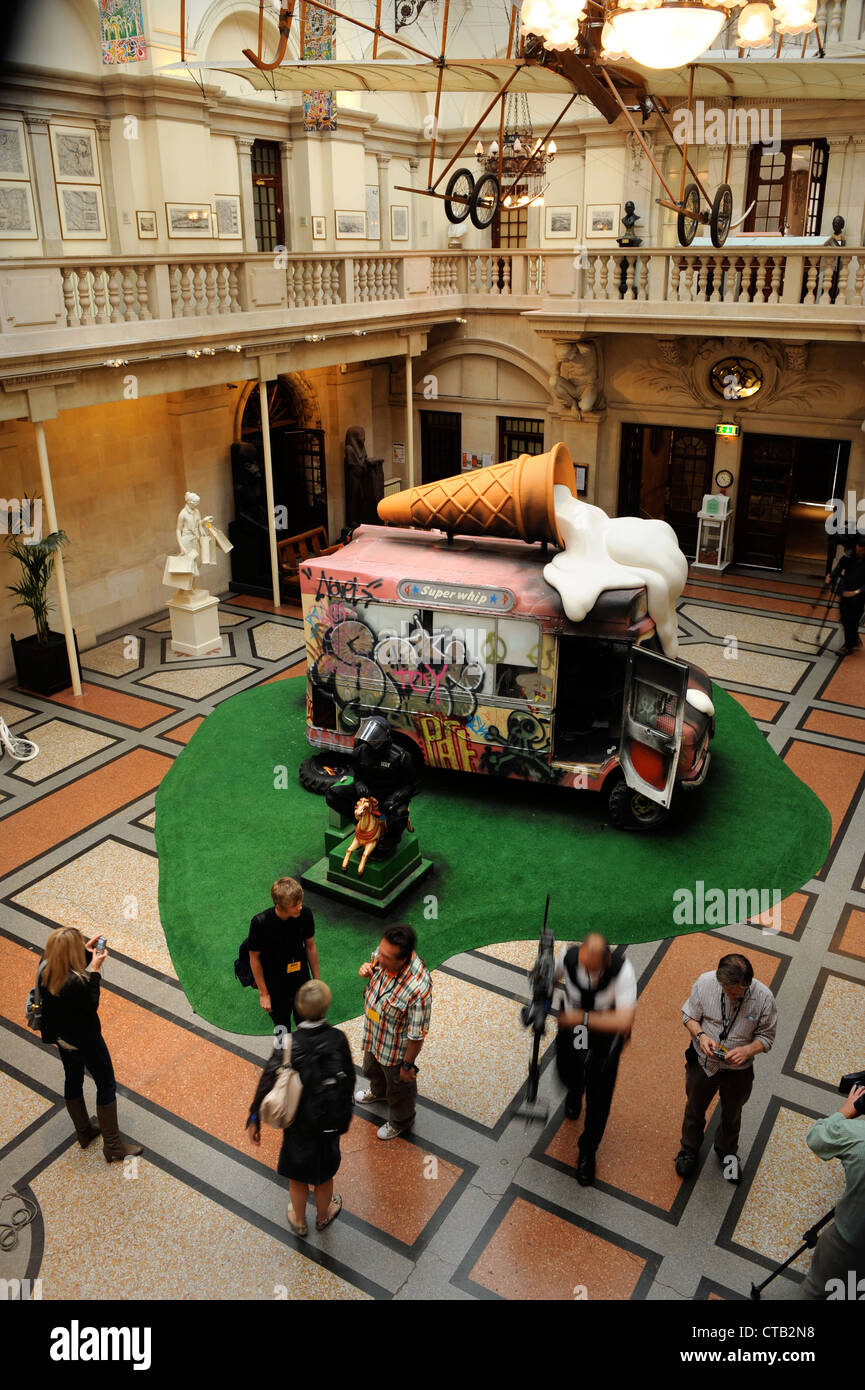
228,824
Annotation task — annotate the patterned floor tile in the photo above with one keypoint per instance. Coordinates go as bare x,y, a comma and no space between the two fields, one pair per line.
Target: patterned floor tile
120,657
835,1042
198,682
60,745
274,641
749,668
13,714
225,650
19,1107
745,627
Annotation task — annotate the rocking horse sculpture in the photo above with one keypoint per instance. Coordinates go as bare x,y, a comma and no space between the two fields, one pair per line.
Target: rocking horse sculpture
367,833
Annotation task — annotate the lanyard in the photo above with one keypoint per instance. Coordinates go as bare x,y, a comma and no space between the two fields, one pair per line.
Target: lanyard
728,1026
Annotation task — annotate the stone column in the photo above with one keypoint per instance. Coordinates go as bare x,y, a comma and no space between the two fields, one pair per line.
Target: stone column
285,152
413,167
383,160
103,131
244,160
836,181
45,192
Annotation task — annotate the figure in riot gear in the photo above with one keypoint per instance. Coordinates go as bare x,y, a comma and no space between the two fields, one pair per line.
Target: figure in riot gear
383,770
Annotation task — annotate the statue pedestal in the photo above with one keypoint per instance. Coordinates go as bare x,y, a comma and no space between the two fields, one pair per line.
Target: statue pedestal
194,617
384,881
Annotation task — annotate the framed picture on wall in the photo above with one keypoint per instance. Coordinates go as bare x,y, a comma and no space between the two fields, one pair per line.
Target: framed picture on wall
582,472
226,209
17,213
602,219
73,148
350,226
189,220
13,151
82,217
147,226
399,223
319,229
561,222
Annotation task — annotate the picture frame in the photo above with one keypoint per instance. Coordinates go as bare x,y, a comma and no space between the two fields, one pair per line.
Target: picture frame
399,230
17,211
226,211
561,222
603,220
82,215
14,163
581,471
350,226
75,154
189,221
148,227
319,229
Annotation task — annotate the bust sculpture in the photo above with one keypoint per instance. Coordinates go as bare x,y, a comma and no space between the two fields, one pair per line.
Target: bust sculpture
629,221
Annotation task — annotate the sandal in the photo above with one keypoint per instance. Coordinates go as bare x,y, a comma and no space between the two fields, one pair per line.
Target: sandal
336,1201
297,1230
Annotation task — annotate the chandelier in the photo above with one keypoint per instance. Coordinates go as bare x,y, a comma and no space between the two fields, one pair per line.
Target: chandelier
662,33
523,157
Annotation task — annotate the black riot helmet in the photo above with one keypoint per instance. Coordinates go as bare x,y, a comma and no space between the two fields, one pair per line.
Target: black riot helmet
374,733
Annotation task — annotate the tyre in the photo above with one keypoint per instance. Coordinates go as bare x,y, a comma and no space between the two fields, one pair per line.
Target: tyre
319,772
459,195
686,227
630,810
721,215
485,203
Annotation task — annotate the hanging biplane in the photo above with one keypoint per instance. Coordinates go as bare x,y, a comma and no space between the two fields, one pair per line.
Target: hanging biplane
530,67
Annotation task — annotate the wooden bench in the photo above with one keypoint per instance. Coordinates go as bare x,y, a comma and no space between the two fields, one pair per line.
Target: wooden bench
295,550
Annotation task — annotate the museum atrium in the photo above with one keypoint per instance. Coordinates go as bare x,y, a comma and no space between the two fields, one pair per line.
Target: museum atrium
493,371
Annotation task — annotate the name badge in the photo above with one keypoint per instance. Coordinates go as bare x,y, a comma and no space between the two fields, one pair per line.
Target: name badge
292,966
373,1015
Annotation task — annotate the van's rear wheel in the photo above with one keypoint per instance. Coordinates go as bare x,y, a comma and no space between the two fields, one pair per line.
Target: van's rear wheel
317,774
631,810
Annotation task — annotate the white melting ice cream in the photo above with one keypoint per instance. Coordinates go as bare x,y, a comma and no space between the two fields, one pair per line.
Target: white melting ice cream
621,552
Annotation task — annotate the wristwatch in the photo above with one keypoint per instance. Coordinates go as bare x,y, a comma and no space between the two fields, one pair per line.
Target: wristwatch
409,1066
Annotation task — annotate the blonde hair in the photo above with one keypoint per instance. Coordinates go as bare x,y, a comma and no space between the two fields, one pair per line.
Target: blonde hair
313,1000
286,892
64,954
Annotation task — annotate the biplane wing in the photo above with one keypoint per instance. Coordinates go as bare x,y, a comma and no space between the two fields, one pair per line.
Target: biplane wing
381,75
779,79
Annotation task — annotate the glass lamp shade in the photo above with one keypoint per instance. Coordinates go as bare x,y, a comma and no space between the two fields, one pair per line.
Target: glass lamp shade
669,37
536,15
795,16
755,26
640,4
610,46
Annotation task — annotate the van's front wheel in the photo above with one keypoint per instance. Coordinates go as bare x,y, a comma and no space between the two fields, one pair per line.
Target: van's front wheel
631,810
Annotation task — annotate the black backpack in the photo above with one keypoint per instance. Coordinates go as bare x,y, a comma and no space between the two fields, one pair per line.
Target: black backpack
242,967
328,1087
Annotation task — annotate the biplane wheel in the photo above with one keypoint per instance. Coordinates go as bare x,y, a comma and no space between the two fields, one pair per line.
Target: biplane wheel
485,203
721,215
459,195
686,227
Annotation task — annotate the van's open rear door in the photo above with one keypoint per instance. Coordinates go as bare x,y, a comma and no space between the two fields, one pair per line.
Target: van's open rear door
652,716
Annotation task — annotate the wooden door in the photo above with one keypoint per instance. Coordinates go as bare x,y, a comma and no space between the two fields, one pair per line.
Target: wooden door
763,503
692,454
440,444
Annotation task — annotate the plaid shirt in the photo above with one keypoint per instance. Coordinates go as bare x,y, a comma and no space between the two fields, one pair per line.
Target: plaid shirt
756,1017
402,1004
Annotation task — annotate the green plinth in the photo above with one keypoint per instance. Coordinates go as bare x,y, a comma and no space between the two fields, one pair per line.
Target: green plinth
383,882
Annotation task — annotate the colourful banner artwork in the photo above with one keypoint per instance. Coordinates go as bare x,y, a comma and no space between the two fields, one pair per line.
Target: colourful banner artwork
318,43
122,27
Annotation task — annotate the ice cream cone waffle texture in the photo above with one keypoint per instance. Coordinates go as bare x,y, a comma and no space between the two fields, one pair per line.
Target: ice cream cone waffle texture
512,499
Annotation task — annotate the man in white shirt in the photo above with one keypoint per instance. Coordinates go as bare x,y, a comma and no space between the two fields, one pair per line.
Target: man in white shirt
600,990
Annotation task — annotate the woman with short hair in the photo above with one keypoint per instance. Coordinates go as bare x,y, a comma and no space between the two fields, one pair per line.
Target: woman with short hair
310,1155
69,982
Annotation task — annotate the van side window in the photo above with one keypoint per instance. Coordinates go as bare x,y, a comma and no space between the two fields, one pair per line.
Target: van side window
517,652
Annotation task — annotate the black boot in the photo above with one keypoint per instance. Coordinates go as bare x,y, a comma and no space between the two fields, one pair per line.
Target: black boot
85,1125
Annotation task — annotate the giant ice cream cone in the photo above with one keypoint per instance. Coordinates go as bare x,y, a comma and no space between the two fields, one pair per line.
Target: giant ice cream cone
506,499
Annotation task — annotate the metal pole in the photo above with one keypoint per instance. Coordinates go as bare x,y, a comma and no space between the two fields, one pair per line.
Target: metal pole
268,483
59,572
409,416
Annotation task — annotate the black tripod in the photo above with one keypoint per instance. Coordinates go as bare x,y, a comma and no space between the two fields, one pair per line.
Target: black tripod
805,632
810,1239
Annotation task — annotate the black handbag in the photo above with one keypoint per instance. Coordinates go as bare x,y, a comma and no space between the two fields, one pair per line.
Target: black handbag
33,1006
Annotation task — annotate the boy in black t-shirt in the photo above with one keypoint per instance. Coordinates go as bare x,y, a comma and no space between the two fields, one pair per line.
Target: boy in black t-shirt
282,952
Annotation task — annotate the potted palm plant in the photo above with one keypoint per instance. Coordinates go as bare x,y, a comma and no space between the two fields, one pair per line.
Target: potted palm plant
41,660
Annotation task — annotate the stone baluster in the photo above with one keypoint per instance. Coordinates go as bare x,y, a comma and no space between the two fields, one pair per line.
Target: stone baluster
234,306
210,286
317,296
115,294
174,282
201,300
716,264
605,274
759,297
506,275
811,282
185,292
377,285
222,291
84,295
130,311
859,282
290,291
835,21
143,294
731,287
99,278
629,291
642,278
843,276
775,284
69,302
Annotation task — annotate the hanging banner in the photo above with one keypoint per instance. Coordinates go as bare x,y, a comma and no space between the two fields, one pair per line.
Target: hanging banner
122,29
317,42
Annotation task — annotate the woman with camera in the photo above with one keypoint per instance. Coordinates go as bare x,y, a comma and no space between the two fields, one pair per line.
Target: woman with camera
69,979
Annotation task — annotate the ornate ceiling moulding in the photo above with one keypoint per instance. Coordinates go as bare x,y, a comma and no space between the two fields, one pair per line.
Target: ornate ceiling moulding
22,383
680,372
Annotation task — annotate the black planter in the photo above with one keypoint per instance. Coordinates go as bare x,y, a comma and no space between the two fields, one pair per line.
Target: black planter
42,666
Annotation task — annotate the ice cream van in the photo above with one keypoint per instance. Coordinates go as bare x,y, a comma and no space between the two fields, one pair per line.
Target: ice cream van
466,647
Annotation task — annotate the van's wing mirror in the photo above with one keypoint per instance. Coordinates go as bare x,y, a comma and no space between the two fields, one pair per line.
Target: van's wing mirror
652,715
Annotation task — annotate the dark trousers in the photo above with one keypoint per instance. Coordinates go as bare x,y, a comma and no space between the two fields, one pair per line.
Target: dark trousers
591,1070
833,1258
97,1059
282,1011
400,1095
850,611
734,1088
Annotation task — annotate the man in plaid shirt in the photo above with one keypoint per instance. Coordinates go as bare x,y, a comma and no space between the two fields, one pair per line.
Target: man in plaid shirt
397,1006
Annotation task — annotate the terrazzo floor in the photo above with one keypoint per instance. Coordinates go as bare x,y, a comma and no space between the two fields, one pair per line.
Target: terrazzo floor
474,1204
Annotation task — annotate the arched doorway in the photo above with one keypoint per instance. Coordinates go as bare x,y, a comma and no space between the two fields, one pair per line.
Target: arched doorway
299,475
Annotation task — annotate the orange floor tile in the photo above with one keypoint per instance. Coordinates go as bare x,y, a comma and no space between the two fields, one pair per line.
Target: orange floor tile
847,686
757,705
823,721
131,710
183,733
832,773
852,939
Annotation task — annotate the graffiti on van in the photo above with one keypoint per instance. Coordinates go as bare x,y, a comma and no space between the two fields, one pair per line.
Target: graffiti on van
346,590
347,670
446,743
525,748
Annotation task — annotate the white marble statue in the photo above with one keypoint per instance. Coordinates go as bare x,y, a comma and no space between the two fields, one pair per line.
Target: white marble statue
195,543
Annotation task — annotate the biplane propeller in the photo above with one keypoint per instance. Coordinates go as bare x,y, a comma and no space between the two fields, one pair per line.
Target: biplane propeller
613,89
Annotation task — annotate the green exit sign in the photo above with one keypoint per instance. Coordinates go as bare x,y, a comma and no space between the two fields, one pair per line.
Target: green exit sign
729,431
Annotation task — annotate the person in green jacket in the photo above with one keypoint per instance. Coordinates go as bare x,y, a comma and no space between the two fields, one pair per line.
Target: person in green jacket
838,1263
